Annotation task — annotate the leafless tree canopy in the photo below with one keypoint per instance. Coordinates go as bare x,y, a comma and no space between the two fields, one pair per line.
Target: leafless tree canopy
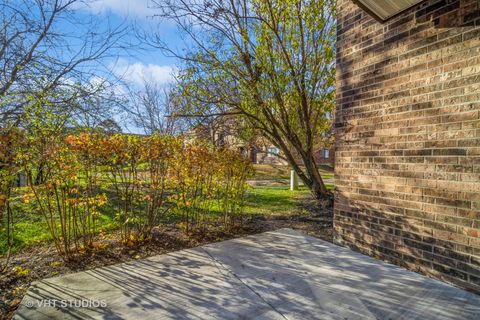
154,108
47,48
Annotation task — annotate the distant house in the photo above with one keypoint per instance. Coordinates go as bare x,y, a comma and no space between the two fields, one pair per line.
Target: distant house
219,133
267,154
325,155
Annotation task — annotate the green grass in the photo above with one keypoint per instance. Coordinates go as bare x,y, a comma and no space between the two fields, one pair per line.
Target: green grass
275,200
273,172
30,228
278,200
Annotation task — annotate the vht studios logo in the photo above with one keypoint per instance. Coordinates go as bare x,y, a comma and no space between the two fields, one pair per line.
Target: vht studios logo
83,303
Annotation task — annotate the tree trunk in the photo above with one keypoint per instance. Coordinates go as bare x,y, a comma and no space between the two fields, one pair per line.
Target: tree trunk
39,178
310,176
315,182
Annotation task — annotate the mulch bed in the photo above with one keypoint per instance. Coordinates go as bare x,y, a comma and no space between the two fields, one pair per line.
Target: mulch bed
43,262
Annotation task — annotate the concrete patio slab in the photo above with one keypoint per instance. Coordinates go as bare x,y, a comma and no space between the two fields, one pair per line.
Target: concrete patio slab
274,275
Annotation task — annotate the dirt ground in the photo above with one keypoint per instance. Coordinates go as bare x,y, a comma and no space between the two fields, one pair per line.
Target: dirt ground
43,262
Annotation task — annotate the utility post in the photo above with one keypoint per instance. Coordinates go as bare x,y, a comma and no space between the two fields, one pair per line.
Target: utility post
293,180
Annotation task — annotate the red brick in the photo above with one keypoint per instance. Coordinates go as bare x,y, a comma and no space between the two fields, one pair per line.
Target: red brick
408,138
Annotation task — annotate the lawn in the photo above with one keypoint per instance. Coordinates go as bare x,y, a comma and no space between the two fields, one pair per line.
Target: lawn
275,200
30,227
275,172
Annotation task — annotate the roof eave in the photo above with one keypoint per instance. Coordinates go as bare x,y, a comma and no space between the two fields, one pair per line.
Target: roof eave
377,17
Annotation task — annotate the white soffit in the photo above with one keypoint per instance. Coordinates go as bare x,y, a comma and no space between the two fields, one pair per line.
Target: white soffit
385,9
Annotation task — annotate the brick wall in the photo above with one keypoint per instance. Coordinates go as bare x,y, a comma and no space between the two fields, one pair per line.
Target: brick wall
408,138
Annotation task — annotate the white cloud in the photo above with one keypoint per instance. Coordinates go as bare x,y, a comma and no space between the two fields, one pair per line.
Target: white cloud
137,73
122,7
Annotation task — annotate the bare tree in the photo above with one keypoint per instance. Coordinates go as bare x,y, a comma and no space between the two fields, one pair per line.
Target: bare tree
51,62
270,61
154,109
96,107
45,46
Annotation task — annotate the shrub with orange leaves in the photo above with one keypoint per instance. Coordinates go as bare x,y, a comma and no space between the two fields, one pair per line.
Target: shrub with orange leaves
88,152
144,177
158,157
68,204
206,177
234,172
121,157
195,183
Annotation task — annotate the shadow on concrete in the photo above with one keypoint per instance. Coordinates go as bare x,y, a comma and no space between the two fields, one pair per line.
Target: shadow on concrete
393,199
275,275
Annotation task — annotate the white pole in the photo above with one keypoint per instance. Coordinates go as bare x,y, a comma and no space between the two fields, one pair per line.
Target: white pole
293,180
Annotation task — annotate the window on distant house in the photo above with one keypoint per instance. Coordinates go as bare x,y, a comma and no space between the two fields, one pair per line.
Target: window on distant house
325,153
273,151
243,152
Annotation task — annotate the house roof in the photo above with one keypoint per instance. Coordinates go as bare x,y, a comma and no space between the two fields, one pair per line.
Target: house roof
386,9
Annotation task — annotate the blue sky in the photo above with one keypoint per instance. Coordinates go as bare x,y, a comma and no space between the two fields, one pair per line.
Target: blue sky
145,63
